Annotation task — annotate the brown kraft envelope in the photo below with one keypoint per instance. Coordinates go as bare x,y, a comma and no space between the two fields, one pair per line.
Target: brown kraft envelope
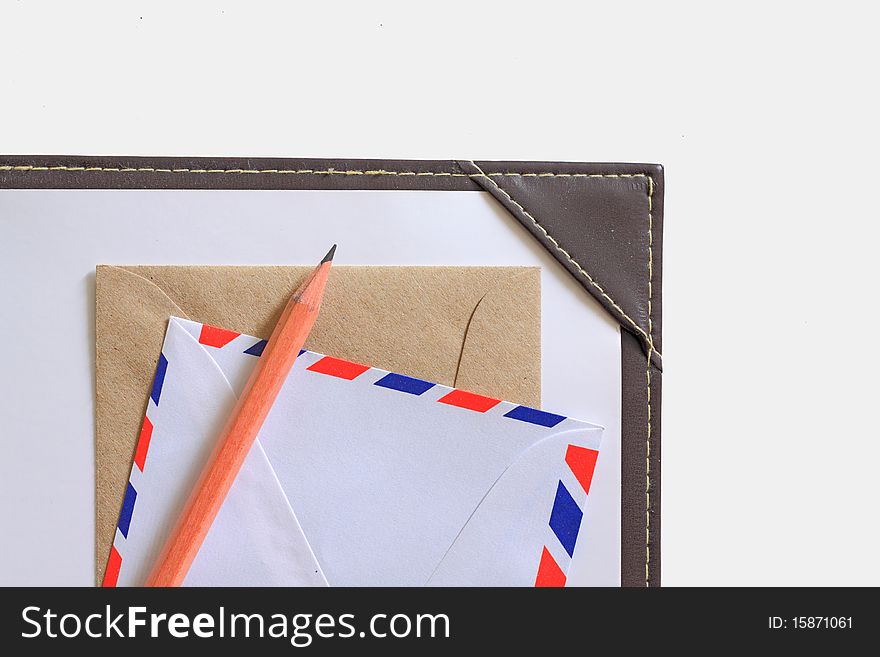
476,328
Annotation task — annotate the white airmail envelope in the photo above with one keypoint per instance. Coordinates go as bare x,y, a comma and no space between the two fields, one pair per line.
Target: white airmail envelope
359,477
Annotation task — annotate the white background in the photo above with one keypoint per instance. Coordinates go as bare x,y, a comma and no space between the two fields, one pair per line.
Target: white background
764,114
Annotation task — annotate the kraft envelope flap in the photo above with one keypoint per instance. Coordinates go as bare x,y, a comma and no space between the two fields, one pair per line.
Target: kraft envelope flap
476,328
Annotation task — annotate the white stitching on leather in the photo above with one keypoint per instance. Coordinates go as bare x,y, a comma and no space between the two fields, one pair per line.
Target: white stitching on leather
574,262
317,172
648,377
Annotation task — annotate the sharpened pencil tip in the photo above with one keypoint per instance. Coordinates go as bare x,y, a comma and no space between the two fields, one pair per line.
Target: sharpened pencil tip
329,256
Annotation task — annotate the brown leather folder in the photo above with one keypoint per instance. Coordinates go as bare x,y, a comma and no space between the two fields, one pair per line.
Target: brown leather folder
602,222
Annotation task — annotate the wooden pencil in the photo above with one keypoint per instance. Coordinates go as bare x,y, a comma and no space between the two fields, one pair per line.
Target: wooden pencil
242,428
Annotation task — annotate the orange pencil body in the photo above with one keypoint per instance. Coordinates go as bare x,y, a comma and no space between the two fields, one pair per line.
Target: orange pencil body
241,430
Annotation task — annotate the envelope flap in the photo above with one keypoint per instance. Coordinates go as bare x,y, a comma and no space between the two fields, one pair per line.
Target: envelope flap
255,538
414,320
527,525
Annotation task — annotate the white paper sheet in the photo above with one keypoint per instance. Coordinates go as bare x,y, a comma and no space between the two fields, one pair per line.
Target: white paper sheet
56,237
359,476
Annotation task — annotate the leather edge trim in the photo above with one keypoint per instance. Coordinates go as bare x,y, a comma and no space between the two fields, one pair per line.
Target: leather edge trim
640,467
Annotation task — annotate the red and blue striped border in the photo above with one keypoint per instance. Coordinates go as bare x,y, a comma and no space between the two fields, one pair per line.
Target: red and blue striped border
114,562
566,515
350,371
